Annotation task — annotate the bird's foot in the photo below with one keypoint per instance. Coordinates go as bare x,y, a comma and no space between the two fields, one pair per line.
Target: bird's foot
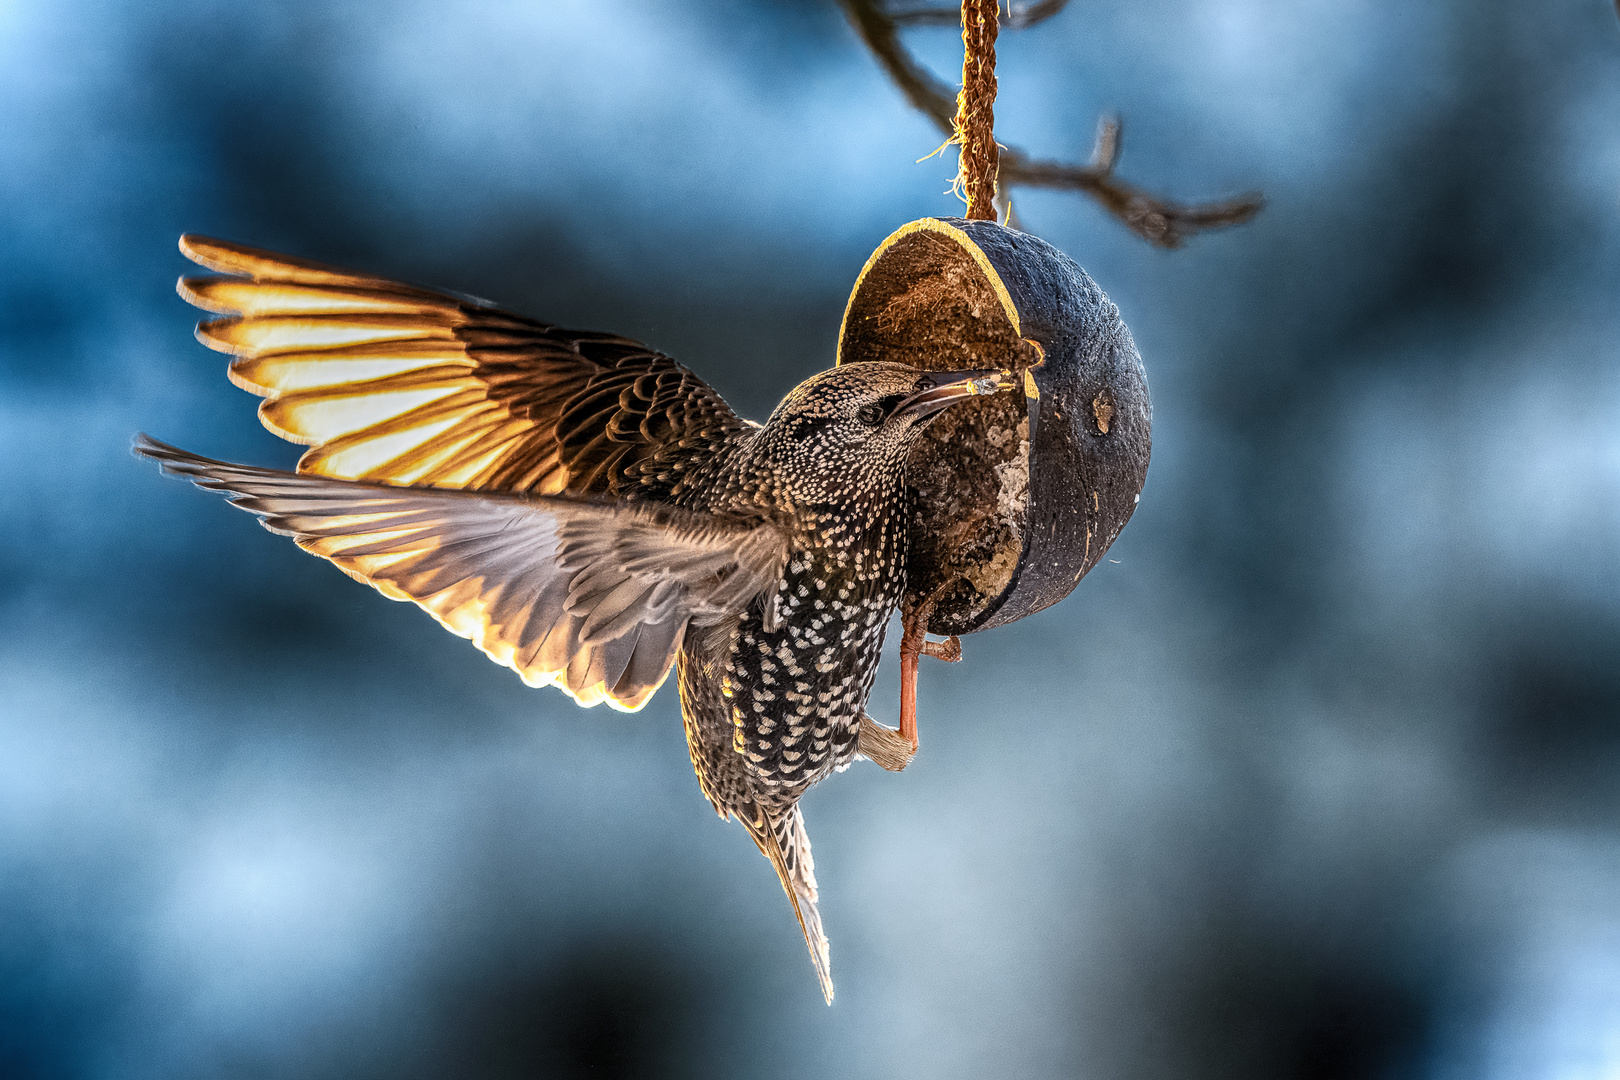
885,746
949,650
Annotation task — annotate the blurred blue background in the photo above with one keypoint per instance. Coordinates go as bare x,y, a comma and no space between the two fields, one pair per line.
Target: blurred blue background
1317,777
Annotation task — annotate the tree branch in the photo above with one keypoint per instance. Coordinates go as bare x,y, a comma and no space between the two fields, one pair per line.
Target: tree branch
1020,17
1157,220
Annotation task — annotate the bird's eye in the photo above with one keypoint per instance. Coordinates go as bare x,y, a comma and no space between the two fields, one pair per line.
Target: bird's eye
870,415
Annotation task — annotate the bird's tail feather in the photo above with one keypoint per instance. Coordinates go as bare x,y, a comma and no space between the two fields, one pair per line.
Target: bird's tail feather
783,840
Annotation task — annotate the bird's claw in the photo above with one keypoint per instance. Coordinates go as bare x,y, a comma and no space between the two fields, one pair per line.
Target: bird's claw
949,650
885,746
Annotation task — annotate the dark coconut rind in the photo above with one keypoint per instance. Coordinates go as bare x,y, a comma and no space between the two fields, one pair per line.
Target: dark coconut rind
1006,525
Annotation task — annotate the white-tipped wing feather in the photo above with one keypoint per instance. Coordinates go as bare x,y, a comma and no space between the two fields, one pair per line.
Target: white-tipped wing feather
594,598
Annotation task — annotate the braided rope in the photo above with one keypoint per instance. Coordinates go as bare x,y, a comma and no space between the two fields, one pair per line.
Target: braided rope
975,108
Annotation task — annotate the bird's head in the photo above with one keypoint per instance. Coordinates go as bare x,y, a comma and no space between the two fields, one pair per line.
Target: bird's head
844,433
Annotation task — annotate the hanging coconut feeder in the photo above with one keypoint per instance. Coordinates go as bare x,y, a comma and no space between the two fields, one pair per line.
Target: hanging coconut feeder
1018,496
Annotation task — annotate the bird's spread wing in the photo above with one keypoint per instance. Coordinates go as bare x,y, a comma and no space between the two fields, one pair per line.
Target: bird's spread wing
594,598
397,384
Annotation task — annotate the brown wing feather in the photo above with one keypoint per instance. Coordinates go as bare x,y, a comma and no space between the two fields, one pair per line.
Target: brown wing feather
396,384
594,598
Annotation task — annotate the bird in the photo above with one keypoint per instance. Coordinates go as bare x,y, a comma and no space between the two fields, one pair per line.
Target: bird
591,514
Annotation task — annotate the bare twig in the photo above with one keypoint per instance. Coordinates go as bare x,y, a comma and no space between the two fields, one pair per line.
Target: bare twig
1105,148
1157,220
1021,17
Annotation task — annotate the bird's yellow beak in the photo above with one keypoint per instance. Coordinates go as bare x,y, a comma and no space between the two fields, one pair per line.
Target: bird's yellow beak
938,389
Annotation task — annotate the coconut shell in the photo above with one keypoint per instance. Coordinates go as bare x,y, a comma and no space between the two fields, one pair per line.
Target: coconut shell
1018,496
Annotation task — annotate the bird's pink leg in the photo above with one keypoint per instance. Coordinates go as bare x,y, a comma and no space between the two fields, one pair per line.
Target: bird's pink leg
914,645
913,636
890,748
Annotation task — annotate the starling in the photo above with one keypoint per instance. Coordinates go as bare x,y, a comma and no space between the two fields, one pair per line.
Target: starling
591,514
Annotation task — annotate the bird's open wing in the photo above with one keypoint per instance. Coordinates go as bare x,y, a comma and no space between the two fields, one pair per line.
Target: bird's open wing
594,598
397,384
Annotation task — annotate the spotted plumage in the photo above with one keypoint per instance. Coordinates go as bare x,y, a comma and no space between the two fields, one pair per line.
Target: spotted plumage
590,513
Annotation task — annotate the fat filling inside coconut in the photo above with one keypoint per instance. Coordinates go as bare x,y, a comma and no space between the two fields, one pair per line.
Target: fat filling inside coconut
925,302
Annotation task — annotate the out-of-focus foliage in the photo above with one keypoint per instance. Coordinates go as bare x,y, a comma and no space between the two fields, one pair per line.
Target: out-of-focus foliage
1321,779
